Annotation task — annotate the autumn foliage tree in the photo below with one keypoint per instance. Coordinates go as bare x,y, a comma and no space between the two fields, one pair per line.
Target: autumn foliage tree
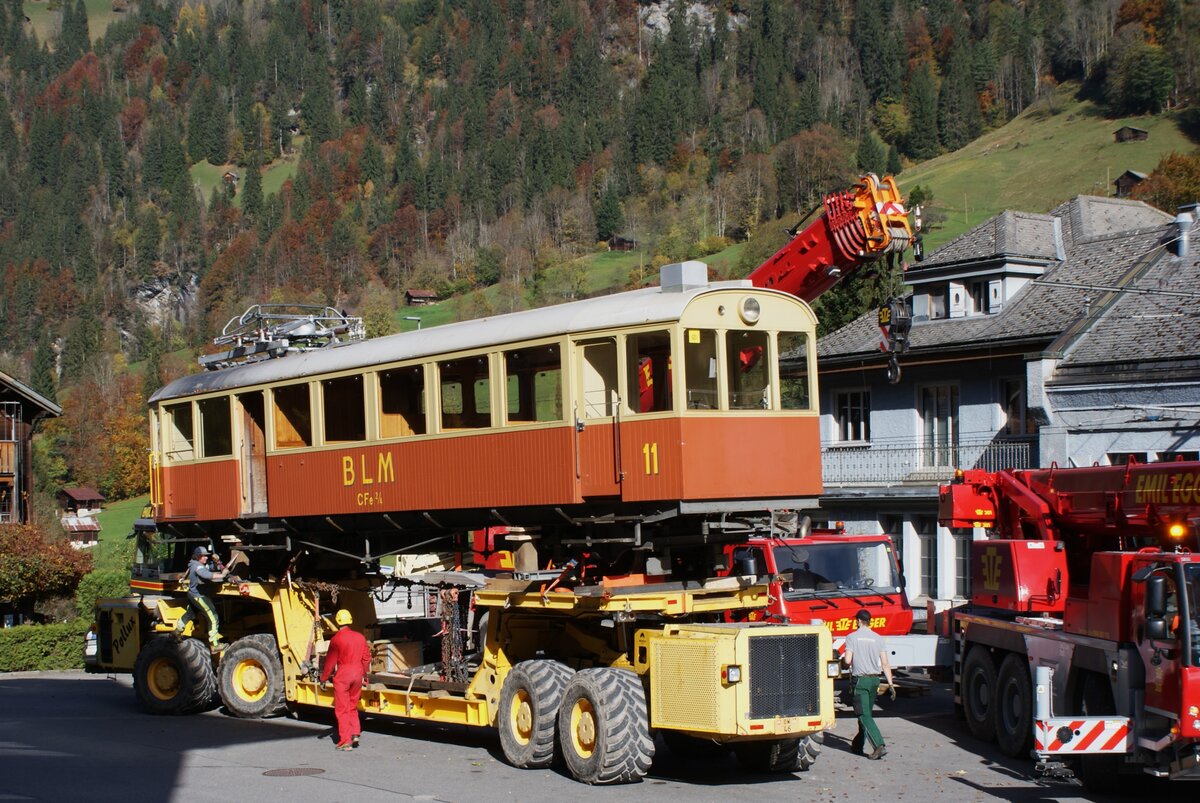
34,566
1174,182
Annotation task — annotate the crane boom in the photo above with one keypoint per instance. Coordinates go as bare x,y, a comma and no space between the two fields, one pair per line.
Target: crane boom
858,225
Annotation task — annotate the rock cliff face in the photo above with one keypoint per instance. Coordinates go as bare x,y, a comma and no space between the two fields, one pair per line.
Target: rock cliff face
164,299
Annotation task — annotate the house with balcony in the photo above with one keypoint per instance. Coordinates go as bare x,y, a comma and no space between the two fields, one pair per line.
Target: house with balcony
1065,338
21,408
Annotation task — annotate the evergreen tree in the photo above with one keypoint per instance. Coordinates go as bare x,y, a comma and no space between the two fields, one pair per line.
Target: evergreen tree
894,166
871,156
374,168
1141,81
74,41
320,117
958,108
609,219
9,144
252,191
43,377
146,243
922,108
82,347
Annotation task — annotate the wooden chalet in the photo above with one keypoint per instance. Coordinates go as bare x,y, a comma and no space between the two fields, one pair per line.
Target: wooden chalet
418,298
621,244
21,410
1125,183
1128,133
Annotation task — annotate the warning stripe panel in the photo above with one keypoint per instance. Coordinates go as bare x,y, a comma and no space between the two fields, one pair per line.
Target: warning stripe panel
1081,736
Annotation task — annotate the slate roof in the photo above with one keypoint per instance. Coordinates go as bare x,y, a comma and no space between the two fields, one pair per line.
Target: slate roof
1012,234
1102,237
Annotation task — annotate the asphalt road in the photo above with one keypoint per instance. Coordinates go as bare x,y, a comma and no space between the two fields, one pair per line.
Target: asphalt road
70,736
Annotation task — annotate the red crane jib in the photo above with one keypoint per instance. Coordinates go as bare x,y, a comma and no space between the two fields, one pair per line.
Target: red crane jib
858,225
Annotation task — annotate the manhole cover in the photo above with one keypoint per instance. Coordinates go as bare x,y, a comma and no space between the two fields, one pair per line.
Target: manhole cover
290,771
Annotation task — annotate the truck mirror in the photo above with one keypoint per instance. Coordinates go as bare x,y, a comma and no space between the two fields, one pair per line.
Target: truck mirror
1156,629
1156,597
745,565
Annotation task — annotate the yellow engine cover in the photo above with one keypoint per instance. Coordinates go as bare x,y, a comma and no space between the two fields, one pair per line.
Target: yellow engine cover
733,682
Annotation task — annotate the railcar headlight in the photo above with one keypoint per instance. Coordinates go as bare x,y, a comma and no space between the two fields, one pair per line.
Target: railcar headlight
750,310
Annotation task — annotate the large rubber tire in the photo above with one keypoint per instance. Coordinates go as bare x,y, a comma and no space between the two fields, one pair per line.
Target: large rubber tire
528,712
1099,774
1014,706
174,676
776,755
604,727
979,693
251,674
810,749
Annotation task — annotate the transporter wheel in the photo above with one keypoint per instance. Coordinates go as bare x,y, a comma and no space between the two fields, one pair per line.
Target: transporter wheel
174,676
1014,707
528,711
979,693
810,749
604,727
252,677
775,755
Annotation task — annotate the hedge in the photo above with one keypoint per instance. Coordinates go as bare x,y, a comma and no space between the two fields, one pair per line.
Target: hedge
99,584
35,647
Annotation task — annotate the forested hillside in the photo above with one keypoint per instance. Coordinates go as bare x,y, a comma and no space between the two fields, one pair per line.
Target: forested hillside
462,144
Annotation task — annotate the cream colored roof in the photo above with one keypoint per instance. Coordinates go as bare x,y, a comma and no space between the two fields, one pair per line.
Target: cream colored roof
649,305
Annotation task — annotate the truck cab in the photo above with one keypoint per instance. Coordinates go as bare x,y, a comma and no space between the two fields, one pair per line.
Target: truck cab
827,577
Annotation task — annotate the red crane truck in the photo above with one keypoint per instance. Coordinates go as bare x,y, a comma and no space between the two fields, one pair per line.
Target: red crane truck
1080,641
835,574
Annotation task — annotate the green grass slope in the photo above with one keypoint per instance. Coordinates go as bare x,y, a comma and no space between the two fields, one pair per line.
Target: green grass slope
1048,154
116,522
47,21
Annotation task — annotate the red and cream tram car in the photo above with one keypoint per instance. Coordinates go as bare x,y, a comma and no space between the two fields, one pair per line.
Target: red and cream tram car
652,413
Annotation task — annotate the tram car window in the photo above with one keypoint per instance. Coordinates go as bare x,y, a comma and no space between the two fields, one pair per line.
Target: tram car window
598,378
402,402
179,432
293,416
534,384
648,359
793,370
700,369
749,361
345,409
216,431
466,394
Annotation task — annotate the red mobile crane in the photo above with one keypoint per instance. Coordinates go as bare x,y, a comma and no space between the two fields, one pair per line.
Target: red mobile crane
835,574
1086,603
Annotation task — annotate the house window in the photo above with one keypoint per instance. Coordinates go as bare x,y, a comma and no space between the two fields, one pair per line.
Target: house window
962,562
939,420
892,525
939,304
852,410
1123,458
1017,420
926,527
978,299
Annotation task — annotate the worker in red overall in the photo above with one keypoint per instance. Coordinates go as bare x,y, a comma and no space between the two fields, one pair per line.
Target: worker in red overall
348,660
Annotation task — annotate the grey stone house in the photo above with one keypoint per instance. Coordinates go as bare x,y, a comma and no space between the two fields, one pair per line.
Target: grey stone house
1066,338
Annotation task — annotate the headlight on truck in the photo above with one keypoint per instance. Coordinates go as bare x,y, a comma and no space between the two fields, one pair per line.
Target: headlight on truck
833,669
731,674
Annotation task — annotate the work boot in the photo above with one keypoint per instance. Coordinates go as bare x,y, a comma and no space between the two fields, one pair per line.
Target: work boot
856,745
878,753
354,740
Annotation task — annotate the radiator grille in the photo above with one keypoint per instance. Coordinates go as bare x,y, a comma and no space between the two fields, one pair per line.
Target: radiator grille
784,676
686,677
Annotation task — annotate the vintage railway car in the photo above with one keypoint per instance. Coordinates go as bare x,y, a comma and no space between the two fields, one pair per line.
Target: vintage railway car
657,413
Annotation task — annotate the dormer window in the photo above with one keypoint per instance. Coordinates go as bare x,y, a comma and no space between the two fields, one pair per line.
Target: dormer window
978,298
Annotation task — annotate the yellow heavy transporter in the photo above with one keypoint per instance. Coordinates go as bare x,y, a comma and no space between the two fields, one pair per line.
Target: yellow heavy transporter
588,674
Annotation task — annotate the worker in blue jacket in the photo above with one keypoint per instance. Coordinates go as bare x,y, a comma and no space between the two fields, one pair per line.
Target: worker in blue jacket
199,572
